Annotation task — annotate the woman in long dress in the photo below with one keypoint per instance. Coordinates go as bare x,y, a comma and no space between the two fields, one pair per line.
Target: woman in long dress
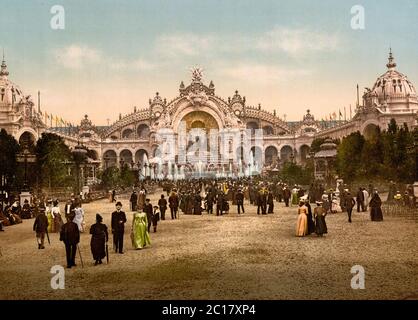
375,204
50,217
141,198
302,223
140,236
320,224
79,217
57,216
295,198
99,237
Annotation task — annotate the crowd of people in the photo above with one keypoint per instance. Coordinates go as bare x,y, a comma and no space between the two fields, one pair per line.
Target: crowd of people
191,197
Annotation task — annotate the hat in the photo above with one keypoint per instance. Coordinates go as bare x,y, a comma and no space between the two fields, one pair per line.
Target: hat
99,217
119,203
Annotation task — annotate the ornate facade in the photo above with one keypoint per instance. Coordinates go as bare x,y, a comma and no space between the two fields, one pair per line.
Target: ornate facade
136,138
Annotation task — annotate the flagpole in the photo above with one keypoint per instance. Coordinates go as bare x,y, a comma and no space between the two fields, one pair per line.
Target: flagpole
39,101
358,97
345,115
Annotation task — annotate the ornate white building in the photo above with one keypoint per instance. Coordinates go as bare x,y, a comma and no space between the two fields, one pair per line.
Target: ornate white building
137,138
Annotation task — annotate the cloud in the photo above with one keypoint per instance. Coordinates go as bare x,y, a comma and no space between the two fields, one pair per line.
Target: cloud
292,41
296,41
262,73
184,44
77,56
80,56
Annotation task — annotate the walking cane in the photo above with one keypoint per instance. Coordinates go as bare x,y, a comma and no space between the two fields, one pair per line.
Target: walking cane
107,253
81,259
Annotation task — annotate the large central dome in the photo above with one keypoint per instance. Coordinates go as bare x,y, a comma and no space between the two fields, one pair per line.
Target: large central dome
395,89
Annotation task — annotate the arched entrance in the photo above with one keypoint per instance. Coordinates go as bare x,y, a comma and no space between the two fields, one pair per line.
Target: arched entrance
286,153
27,139
126,157
270,155
141,155
304,153
110,159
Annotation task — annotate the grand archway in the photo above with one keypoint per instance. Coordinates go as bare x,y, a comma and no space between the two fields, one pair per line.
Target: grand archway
200,120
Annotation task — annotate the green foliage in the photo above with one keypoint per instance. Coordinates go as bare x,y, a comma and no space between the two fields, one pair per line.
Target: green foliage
53,156
127,177
295,174
9,147
110,177
384,155
349,155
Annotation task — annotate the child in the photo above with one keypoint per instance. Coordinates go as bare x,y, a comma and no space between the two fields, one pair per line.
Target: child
155,217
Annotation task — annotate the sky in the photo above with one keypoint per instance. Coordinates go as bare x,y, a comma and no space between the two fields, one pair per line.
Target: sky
288,56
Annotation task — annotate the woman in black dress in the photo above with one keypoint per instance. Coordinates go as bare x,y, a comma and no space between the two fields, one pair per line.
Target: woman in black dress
311,224
99,238
319,215
375,204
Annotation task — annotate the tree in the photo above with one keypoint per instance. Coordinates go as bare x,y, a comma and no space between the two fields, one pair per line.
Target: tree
9,148
110,177
293,173
372,155
349,156
53,157
127,177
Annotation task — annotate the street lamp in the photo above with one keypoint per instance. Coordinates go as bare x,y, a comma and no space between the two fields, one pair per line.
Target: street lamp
79,154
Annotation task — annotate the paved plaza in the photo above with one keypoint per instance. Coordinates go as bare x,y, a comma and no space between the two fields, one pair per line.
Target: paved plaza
227,257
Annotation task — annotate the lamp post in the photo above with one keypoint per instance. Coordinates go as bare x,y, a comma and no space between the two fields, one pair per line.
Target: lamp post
79,154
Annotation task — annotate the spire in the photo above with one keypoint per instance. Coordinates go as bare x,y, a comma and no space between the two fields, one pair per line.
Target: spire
3,70
392,64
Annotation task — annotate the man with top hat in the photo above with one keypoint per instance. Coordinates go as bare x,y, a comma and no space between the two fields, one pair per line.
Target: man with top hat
70,235
239,198
118,227
40,226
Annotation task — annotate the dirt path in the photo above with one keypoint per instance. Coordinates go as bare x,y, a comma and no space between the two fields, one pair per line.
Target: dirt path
229,257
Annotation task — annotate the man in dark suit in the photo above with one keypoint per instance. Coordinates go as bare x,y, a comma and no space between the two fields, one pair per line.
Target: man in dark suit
360,200
173,201
286,195
133,200
162,203
118,227
69,207
40,226
149,211
349,204
210,198
239,198
70,235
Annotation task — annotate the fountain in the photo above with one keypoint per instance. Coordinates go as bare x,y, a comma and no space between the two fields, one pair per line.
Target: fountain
160,175
182,175
169,171
176,172
240,172
146,165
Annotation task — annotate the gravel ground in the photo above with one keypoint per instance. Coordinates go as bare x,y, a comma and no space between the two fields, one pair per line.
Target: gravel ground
228,257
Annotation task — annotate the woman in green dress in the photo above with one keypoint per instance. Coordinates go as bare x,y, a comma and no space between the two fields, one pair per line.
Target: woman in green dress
140,236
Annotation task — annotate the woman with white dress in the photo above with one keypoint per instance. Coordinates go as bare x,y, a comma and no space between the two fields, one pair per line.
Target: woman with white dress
79,217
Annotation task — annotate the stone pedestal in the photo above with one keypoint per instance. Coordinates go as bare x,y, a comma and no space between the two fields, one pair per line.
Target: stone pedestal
25,195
